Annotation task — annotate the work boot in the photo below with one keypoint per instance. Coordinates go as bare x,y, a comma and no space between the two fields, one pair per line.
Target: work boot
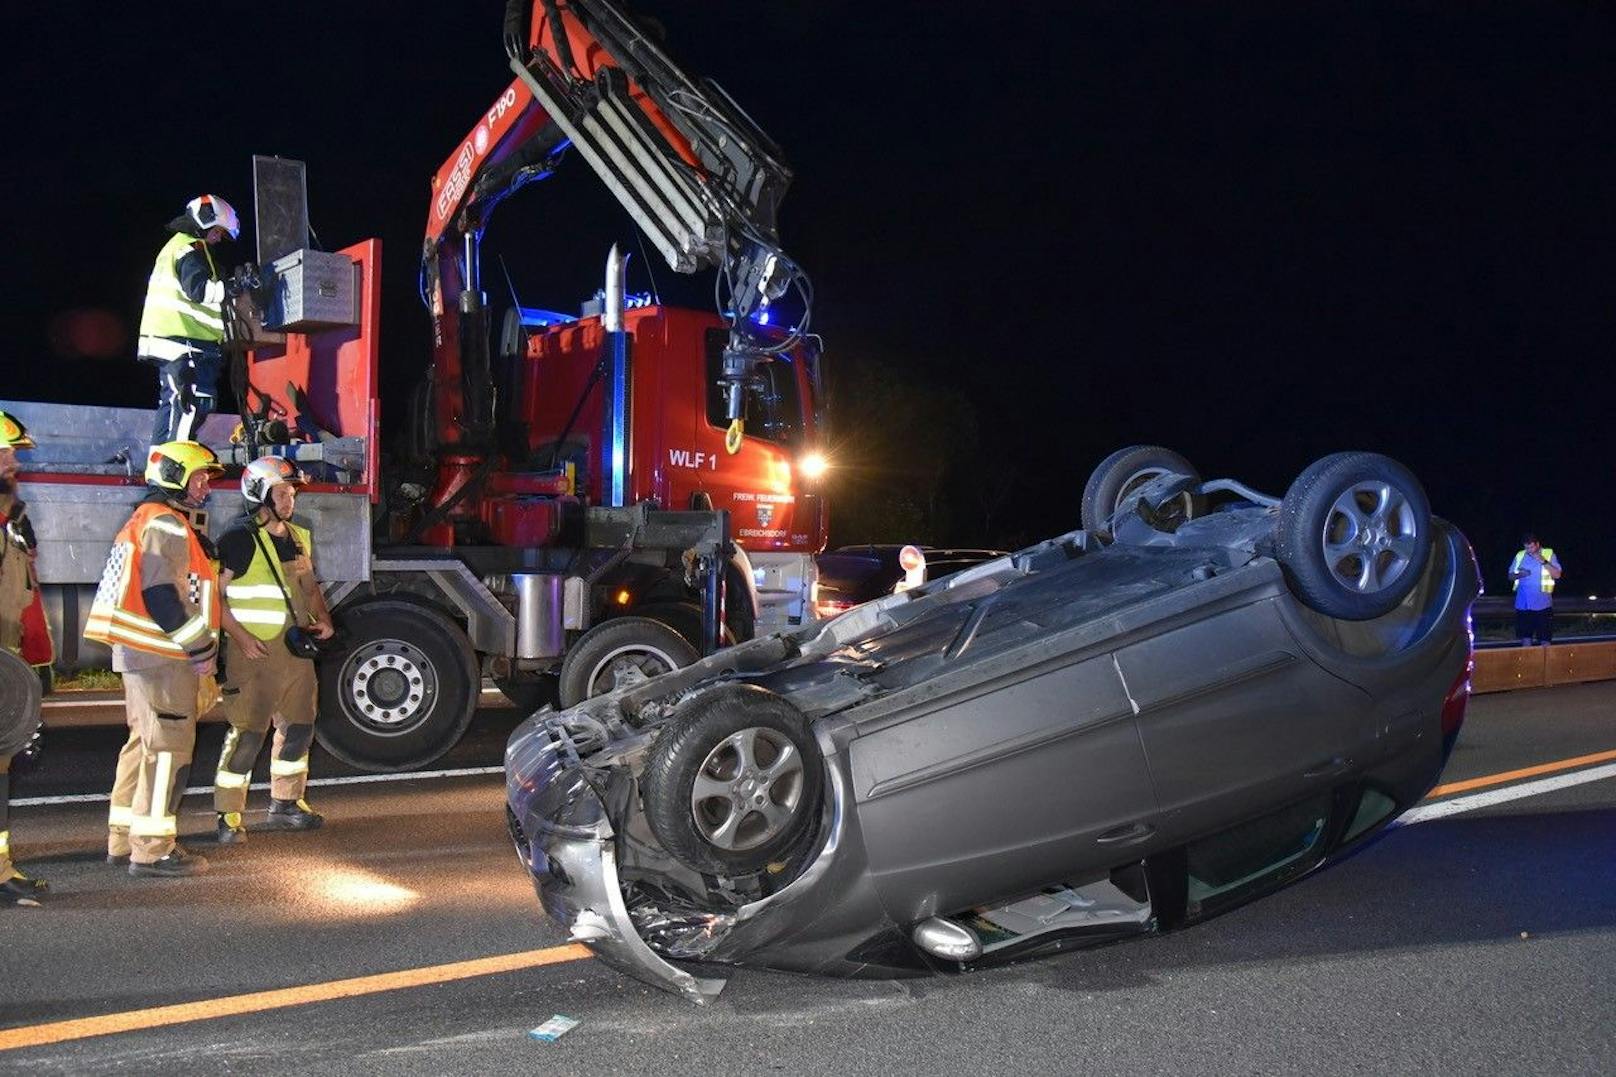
292,815
21,890
231,831
176,864
118,860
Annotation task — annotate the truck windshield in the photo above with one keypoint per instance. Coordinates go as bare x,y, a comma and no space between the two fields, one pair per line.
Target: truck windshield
773,404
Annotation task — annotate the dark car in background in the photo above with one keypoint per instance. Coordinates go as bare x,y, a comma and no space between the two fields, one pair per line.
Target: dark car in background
853,575
1202,695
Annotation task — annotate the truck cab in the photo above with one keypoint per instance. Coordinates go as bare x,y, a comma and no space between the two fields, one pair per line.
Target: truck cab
770,486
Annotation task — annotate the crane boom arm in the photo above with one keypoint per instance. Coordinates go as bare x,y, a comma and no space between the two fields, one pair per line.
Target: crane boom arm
689,166
698,176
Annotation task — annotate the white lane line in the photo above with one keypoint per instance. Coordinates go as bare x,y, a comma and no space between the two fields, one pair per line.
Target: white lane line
356,779
1444,808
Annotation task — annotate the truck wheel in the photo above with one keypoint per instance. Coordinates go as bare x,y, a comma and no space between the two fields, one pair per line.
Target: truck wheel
733,782
402,690
741,619
1123,472
685,619
620,652
1354,535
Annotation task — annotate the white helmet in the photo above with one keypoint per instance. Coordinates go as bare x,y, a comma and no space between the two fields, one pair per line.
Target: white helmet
263,475
211,211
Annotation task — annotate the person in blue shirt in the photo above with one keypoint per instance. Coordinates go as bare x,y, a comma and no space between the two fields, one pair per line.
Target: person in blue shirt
1532,575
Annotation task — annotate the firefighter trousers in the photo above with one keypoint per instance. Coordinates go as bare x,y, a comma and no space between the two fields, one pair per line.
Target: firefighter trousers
276,690
161,703
187,389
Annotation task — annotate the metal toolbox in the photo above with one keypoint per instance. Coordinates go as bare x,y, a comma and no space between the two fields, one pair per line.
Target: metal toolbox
313,290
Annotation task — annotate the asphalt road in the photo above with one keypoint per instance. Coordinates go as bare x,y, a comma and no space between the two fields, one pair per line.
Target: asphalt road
1480,942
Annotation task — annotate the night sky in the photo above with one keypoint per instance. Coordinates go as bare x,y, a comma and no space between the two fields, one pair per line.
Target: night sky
1255,233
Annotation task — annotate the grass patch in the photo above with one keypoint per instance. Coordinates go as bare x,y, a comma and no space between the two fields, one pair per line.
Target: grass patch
90,680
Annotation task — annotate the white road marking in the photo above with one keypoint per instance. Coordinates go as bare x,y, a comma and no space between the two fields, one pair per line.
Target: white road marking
355,779
1444,808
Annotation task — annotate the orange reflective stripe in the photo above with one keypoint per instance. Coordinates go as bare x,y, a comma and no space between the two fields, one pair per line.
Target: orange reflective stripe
119,616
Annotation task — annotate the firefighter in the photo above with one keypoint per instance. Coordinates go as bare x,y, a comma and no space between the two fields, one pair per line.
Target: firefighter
19,592
272,605
182,325
158,608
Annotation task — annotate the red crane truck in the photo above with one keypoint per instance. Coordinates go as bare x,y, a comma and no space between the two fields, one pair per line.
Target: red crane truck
593,500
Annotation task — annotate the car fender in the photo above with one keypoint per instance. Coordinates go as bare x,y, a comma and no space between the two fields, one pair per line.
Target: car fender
565,838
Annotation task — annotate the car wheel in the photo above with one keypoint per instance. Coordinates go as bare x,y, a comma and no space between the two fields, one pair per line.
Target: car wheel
530,693
401,691
620,652
1354,535
733,782
1123,472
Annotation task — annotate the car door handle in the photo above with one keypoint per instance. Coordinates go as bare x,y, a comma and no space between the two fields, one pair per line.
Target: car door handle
1325,769
1126,835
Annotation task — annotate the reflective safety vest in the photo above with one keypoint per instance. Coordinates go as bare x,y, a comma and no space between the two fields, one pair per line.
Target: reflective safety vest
169,312
119,616
255,597
1545,578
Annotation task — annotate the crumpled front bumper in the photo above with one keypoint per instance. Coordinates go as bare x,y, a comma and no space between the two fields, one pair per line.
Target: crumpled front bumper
556,810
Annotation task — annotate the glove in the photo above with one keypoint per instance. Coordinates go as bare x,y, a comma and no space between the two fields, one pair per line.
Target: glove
203,659
208,694
244,278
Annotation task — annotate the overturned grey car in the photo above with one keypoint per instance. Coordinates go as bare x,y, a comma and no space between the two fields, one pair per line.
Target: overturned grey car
1203,694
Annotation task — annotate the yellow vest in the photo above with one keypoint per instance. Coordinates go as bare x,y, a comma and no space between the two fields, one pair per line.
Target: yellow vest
255,597
1545,578
169,312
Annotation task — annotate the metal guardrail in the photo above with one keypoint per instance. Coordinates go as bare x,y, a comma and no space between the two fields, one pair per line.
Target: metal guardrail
1584,647
1581,619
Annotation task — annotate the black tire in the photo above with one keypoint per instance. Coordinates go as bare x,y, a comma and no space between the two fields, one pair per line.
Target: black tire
685,619
623,647
1125,471
530,693
1354,535
401,691
19,703
740,617
728,832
